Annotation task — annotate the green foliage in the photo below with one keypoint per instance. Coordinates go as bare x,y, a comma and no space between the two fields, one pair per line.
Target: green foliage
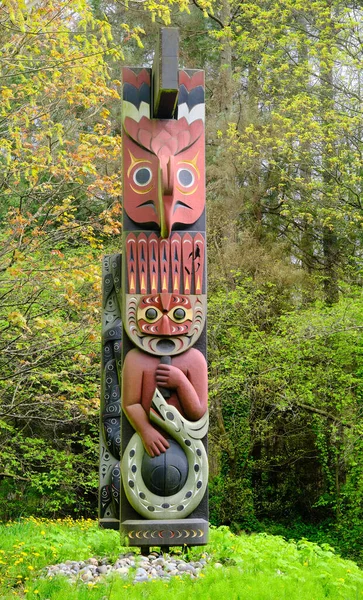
49,477
255,567
284,228
285,402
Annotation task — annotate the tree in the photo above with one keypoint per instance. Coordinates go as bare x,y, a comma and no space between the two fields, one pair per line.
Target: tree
60,187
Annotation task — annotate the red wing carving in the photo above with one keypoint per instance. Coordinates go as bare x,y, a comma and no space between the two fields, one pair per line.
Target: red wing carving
187,253
176,262
153,244
142,262
131,262
164,264
198,262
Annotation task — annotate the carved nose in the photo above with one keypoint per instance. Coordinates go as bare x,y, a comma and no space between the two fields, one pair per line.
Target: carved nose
166,195
164,328
168,204
167,176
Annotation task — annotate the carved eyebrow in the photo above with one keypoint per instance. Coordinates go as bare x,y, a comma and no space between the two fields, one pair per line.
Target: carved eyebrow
192,162
136,161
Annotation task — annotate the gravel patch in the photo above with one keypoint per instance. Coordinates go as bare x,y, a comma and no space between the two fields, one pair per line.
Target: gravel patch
130,566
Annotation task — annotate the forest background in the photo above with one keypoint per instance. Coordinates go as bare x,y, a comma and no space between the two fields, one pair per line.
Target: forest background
284,189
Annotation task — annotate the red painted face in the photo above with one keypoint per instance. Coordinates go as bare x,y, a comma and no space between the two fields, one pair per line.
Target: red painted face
165,314
164,179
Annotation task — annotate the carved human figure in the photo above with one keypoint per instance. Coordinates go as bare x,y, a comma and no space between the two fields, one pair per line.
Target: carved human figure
185,377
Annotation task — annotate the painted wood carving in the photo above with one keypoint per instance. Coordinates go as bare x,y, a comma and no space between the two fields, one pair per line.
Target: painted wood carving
154,422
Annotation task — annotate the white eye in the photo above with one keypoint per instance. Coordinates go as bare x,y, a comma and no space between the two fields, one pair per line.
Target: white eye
142,176
185,177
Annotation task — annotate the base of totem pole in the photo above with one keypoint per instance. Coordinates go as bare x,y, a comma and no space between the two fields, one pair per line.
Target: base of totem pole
108,523
178,532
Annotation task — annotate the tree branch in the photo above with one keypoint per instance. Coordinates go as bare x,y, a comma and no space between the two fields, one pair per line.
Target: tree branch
209,14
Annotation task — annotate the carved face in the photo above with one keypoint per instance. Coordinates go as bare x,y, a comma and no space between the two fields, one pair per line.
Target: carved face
165,314
164,179
165,323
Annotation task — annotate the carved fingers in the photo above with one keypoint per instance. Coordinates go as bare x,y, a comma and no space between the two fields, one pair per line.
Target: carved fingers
154,442
169,376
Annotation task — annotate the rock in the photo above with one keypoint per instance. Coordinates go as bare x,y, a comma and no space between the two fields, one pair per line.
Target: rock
102,570
218,565
141,578
85,569
92,561
154,566
164,575
188,567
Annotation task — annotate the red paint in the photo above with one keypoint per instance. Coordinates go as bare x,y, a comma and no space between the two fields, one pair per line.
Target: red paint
131,250
164,308
186,378
176,262
191,82
187,252
153,252
164,172
198,262
142,262
136,79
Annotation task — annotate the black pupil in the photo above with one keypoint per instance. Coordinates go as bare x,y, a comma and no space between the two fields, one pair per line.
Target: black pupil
179,314
185,177
142,176
151,313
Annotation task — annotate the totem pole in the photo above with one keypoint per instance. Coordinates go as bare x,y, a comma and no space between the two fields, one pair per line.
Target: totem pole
153,465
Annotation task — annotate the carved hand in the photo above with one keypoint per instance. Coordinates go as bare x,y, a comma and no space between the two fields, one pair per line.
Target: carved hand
169,376
154,442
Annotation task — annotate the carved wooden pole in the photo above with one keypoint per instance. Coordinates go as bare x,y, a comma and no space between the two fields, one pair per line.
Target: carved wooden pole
154,425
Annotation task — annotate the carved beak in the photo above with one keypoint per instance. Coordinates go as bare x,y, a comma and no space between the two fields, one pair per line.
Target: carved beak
166,195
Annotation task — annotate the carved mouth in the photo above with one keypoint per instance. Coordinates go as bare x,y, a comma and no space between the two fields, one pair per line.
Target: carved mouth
180,204
165,346
149,203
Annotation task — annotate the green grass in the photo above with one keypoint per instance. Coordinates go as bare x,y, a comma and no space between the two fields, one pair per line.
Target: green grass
255,567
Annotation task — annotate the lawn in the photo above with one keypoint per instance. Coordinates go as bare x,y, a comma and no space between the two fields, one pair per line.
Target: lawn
254,567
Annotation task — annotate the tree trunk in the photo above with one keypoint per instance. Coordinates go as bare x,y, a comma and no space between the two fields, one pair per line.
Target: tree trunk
330,240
